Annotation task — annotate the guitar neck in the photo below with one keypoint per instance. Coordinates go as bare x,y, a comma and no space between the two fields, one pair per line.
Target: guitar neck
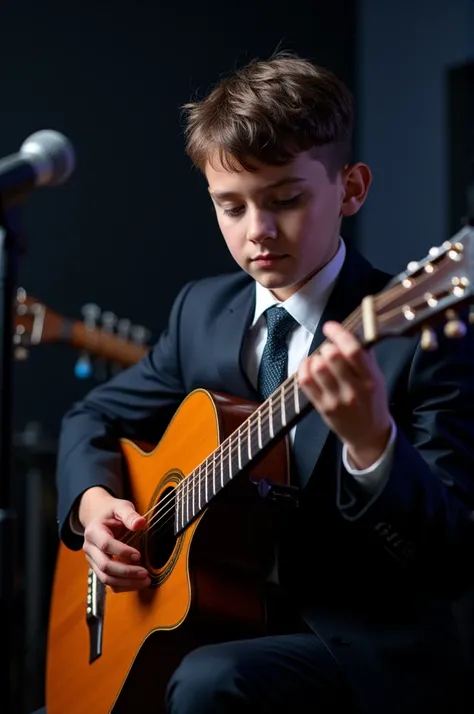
103,344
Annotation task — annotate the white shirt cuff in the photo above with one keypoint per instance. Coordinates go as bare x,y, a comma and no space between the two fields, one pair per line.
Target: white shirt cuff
375,476
74,523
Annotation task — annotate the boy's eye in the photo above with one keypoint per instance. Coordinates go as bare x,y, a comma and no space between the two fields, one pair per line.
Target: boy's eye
288,201
279,203
233,211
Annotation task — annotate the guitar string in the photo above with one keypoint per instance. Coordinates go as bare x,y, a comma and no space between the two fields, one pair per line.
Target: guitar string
173,500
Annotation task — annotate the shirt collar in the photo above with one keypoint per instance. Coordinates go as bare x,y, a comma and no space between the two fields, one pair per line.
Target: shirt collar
307,304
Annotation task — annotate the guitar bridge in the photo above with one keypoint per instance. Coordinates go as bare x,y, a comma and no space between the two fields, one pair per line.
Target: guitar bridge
95,614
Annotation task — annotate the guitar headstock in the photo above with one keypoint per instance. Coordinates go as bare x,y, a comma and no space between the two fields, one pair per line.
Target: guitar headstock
104,340
430,291
34,324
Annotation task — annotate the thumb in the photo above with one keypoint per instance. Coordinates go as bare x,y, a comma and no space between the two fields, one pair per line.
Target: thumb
125,512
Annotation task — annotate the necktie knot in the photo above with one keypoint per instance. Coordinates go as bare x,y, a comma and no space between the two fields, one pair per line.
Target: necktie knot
273,367
279,323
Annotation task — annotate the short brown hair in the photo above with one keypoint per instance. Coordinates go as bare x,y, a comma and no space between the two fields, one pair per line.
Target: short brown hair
270,111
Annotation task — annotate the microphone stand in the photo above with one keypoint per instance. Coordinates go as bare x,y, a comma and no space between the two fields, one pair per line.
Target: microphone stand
9,255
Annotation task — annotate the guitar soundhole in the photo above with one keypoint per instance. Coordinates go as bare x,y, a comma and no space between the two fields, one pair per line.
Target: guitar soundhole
161,539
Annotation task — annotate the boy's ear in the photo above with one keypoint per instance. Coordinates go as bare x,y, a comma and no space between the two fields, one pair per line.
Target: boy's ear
356,180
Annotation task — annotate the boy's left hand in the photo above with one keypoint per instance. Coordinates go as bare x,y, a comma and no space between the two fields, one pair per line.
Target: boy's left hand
345,385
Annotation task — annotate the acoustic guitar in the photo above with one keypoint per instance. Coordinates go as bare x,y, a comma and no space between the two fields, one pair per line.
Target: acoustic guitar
212,517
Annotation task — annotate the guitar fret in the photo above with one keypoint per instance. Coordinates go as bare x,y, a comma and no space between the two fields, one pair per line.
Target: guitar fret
181,502
296,396
259,429
239,455
199,487
229,456
290,406
266,430
214,474
249,437
280,421
187,499
283,410
196,486
176,507
236,458
270,417
177,504
254,444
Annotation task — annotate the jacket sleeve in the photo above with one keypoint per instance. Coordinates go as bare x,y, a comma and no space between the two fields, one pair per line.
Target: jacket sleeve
423,517
136,404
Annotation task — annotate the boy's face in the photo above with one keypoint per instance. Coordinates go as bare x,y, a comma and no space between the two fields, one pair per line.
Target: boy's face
281,223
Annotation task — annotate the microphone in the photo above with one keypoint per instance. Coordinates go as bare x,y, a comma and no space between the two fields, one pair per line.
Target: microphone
46,158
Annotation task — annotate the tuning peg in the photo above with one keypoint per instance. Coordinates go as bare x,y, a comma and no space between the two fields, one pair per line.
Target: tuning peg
429,341
140,334
20,295
123,331
18,337
454,328
91,313
123,328
20,352
109,320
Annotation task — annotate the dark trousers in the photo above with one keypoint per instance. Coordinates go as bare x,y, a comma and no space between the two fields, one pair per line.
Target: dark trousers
269,675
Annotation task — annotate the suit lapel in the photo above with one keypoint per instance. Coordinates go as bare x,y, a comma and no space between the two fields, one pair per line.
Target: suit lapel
230,330
352,285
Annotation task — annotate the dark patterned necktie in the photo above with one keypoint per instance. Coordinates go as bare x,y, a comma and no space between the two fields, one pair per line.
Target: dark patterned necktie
273,367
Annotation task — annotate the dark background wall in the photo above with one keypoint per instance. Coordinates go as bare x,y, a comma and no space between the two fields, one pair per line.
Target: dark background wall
406,53
134,222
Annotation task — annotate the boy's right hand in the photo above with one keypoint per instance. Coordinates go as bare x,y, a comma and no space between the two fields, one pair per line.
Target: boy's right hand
103,518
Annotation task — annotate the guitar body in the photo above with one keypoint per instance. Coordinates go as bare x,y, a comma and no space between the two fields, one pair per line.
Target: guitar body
107,651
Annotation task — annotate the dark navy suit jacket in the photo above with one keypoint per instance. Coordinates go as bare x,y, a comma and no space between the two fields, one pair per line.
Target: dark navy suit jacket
377,579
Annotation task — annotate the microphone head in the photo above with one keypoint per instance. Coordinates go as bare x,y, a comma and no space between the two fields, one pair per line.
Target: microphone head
51,155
